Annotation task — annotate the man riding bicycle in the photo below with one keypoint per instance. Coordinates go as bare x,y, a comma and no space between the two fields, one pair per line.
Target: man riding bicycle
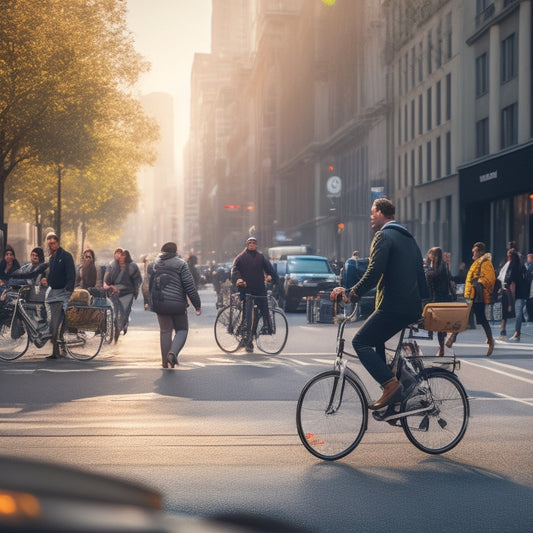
249,272
396,268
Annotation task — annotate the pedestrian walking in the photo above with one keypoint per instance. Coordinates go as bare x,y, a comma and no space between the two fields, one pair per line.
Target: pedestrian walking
438,279
170,283
124,279
522,288
510,275
87,274
479,283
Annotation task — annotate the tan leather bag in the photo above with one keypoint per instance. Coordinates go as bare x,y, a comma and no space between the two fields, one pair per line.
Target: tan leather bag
451,317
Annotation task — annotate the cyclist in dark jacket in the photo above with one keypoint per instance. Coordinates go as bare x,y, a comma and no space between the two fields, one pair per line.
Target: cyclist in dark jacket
395,266
170,282
249,272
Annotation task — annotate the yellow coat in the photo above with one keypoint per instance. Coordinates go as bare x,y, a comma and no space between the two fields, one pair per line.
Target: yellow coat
482,270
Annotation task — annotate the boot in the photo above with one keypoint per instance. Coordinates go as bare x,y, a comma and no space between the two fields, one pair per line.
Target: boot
451,340
392,393
490,339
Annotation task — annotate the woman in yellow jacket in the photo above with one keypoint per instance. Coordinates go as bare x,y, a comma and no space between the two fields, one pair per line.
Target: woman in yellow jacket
483,273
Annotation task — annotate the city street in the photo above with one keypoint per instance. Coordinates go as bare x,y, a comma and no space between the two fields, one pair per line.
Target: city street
218,433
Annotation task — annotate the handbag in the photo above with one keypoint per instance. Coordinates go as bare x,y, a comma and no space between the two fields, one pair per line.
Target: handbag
478,292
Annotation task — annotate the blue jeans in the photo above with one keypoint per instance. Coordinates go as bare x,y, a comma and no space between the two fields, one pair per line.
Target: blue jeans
378,328
519,305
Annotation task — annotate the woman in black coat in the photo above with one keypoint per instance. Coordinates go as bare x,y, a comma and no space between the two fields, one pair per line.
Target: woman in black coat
438,280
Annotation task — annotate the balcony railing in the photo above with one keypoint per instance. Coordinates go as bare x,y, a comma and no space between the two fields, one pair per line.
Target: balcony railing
485,15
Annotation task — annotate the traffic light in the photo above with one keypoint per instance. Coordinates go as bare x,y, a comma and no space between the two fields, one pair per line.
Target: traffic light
340,227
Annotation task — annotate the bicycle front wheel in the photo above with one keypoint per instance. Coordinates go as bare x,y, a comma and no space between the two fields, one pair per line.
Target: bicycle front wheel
14,339
272,339
331,415
227,329
83,344
444,424
109,325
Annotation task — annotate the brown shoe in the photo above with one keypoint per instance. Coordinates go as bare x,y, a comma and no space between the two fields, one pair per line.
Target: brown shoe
451,340
392,393
440,353
491,347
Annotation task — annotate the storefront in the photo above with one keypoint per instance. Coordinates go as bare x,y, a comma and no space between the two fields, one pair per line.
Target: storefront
496,198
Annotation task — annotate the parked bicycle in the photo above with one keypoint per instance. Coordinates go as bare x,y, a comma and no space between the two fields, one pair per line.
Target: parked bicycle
232,331
23,319
332,410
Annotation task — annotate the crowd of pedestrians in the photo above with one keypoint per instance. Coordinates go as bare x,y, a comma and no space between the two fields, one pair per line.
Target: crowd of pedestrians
169,284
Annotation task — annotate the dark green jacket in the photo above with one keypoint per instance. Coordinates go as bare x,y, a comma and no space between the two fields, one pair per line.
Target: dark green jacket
396,269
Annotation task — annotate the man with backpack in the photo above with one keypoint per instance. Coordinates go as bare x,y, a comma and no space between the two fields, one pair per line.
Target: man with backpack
170,283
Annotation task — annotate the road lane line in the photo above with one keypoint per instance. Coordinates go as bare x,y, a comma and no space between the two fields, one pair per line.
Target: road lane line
512,367
526,401
520,378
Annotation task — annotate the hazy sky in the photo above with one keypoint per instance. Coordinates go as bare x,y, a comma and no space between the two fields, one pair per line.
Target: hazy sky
168,33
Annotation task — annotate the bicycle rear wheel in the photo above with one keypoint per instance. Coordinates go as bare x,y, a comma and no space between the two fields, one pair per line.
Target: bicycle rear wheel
272,340
14,339
443,426
227,329
83,344
331,415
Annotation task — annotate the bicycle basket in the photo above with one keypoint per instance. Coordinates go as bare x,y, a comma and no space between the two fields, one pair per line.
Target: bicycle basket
85,318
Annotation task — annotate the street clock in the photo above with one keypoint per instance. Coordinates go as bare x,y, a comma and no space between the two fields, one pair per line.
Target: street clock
334,185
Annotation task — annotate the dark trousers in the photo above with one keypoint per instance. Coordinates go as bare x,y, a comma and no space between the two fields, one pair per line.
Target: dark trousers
369,342
251,313
167,325
56,318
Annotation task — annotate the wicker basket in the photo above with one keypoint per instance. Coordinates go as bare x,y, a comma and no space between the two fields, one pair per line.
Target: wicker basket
87,318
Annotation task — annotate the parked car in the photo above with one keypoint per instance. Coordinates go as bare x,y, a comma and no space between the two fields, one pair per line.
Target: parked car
302,276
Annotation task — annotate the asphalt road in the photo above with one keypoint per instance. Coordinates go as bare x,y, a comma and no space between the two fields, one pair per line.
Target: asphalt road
218,434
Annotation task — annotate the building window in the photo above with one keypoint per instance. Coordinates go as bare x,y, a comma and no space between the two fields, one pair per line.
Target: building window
509,125
482,75
430,53
400,77
406,73
420,115
482,137
509,58
399,127
420,163
438,103
420,62
428,111
413,66
448,96
412,180
448,153
438,158
405,124
481,5
428,160
399,180
412,119
438,52
448,44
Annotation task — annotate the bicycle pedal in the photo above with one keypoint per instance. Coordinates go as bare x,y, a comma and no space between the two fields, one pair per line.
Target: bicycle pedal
386,415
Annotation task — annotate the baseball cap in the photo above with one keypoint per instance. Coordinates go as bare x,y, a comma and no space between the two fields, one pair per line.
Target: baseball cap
251,239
